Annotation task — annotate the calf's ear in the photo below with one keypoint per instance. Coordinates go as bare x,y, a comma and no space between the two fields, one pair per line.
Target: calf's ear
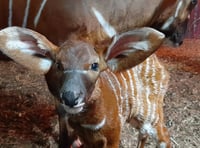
27,48
133,47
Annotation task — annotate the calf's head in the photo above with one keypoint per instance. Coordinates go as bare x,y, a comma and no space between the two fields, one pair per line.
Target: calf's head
73,74
72,70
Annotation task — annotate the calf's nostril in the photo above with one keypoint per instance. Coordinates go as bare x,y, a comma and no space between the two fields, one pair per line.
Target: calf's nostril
70,99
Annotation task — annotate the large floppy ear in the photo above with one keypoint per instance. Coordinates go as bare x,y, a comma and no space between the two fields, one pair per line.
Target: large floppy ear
131,48
27,48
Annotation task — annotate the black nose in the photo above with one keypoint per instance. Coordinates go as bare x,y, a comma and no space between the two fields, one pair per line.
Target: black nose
177,39
70,98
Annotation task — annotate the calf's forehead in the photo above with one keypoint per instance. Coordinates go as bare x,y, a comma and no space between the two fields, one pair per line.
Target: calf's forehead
77,52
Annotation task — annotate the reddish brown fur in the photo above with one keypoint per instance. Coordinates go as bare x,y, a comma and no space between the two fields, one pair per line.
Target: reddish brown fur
55,17
108,136
74,20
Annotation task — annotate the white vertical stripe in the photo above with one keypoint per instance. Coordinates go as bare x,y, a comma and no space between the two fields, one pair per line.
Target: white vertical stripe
119,87
111,84
136,98
120,102
153,77
153,112
157,118
147,88
126,99
155,88
148,104
115,81
142,87
10,13
163,85
133,97
125,84
37,17
118,84
106,76
131,84
26,13
106,26
147,68
123,99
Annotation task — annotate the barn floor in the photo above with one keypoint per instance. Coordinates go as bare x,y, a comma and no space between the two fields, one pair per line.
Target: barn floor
27,113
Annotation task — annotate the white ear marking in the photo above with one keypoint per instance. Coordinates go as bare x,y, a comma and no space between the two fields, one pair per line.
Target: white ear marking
142,45
28,51
106,26
18,44
25,47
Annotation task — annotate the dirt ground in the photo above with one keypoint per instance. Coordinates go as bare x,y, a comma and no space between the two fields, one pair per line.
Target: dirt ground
28,118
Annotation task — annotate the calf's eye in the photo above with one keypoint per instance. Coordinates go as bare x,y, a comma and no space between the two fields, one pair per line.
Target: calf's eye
59,66
94,67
